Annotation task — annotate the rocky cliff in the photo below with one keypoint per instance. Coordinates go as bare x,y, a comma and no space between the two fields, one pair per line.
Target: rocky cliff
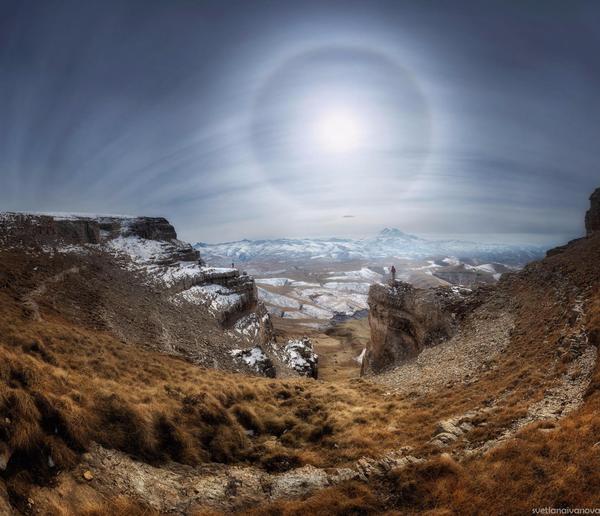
404,320
145,244
592,217
151,257
34,230
21,229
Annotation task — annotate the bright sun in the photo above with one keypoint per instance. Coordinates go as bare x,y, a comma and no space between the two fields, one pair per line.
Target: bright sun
338,131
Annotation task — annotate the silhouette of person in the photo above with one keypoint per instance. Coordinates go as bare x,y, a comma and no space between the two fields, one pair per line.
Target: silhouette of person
393,271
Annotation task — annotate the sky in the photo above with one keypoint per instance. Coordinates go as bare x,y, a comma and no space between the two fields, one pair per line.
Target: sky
288,118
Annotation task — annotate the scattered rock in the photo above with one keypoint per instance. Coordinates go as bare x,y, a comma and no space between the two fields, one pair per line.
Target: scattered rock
448,363
177,489
448,427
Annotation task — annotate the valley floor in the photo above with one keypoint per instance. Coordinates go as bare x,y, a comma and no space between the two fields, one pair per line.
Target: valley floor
340,347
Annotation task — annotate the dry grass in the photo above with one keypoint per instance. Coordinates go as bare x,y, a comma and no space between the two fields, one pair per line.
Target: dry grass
350,498
64,384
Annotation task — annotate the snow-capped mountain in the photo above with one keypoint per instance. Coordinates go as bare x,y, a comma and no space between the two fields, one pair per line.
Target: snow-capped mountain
390,242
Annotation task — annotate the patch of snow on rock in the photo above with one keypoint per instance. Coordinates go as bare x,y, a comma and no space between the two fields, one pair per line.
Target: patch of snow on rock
216,298
300,356
139,249
256,359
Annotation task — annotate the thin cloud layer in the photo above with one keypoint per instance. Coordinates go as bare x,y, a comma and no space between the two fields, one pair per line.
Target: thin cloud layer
459,118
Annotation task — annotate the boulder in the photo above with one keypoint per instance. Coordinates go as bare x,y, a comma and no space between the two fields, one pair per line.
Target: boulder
256,359
447,427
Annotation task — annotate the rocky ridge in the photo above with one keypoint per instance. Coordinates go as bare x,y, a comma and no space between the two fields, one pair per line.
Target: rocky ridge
146,244
148,248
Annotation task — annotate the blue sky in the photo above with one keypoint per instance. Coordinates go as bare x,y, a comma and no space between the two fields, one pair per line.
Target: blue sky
315,118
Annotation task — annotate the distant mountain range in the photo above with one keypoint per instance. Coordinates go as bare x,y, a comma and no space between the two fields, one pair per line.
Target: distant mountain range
388,243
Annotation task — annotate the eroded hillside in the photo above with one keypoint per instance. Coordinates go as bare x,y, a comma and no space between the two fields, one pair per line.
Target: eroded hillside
108,406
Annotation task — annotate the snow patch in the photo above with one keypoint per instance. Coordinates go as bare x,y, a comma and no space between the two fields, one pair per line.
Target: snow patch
216,298
299,355
360,288
361,357
256,359
363,274
277,299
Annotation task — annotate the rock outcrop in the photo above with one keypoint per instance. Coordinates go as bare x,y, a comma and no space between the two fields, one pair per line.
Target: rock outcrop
300,356
592,224
592,217
148,245
257,360
404,320
22,229
295,357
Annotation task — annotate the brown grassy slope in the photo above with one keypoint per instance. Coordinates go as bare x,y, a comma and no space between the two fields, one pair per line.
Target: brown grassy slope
103,295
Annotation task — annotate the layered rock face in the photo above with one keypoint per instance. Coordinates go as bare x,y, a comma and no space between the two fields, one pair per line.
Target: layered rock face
592,224
403,320
31,230
20,229
148,245
592,217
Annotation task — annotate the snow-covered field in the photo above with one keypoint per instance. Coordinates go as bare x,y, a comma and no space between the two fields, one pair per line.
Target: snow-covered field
278,300
364,274
331,293
294,299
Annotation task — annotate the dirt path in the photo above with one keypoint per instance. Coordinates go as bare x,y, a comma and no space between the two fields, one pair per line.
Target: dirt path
340,349
30,299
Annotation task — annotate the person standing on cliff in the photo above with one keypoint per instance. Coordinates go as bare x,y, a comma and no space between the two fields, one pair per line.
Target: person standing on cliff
393,271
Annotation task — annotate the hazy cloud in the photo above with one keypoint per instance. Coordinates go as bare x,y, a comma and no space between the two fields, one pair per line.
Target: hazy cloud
471,117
